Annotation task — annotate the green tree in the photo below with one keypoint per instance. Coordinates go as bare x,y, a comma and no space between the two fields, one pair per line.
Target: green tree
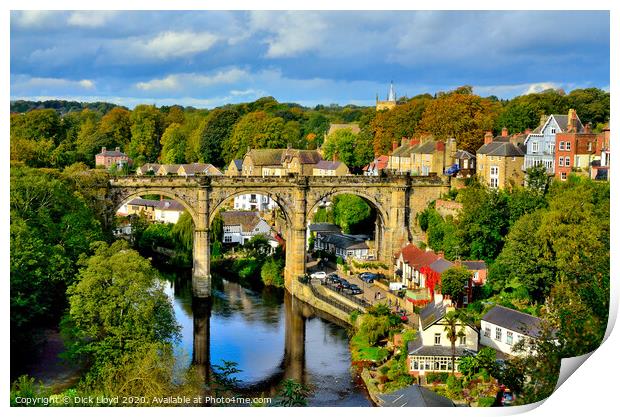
341,146
146,131
118,308
454,329
350,211
454,281
537,179
254,130
592,104
115,128
402,121
213,132
173,144
292,394
272,272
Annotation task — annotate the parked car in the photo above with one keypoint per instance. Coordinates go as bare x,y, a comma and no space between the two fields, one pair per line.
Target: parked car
344,284
368,277
333,278
355,289
319,275
507,397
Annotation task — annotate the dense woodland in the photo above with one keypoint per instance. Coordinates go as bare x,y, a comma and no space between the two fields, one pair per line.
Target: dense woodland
58,133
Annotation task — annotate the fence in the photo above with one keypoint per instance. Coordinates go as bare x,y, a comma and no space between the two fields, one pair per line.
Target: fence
329,300
359,301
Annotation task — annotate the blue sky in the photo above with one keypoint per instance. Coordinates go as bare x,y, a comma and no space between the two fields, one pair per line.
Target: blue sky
210,58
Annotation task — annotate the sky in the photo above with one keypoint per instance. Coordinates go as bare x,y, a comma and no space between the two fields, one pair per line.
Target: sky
207,59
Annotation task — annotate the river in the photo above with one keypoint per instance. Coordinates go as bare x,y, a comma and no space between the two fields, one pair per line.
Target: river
271,336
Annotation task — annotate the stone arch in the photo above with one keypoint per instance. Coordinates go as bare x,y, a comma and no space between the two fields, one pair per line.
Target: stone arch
125,197
318,196
279,197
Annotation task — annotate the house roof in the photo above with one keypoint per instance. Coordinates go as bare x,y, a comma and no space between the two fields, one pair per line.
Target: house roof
143,202
416,257
171,168
262,157
248,220
111,153
441,265
474,265
414,396
167,204
345,242
238,163
149,167
305,156
199,168
461,154
324,227
328,165
500,148
561,120
432,313
355,128
514,320
380,162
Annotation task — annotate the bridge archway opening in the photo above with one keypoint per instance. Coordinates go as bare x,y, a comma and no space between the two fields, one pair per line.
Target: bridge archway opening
362,241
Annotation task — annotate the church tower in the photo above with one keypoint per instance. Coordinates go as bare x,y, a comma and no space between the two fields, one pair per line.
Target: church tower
390,103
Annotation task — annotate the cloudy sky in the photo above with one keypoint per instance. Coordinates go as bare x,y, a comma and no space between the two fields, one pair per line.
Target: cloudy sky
209,58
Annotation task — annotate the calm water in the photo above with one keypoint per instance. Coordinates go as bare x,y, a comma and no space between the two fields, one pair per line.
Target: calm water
271,336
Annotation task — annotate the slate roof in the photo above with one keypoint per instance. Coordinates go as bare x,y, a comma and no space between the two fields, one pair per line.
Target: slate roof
143,202
355,128
238,163
328,165
432,313
113,153
246,219
324,228
345,242
474,265
513,320
441,265
167,205
149,167
198,168
561,120
305,157
500,148
460,154
426,147
414,396
171,168
262,157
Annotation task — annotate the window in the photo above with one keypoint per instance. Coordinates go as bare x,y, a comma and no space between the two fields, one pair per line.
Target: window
509,338
568,146
551,147
437,339
494,182
553,130
535,147
567,161
227,239
561,146
494,176
563,175
487,331
589,146
463,340
498,334
561,161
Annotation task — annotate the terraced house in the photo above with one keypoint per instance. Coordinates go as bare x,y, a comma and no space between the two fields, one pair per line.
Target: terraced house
499,162
422,156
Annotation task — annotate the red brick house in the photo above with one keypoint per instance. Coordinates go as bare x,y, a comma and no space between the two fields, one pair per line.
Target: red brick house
575,152
109,158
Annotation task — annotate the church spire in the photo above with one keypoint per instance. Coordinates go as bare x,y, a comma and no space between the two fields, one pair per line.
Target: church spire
391,93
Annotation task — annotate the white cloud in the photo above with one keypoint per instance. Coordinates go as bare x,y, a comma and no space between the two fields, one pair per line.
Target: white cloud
192,81
90,19
174,44
32,18
21,82
293,32
512,90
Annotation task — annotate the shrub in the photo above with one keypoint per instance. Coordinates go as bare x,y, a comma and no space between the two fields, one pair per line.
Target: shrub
486,401
439,377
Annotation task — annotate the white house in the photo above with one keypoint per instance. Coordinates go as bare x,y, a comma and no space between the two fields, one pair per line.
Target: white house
431,350
168,211
254,202
344,246
241,226
501,328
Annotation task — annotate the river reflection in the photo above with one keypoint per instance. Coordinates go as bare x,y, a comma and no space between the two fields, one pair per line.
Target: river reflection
271,335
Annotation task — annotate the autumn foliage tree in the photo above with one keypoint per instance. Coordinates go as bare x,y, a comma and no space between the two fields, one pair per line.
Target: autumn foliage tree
462,115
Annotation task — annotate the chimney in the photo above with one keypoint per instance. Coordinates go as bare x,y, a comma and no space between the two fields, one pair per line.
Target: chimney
118,149
102,149
504,132
587,128
334,157
414,142
572,119
394,145
403,141
440,146
528,131
440,254
488,137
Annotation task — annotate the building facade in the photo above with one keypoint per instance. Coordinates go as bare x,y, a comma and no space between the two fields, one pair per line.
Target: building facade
330,169
390,101
108,159
254,202
501,328
241,226
499,162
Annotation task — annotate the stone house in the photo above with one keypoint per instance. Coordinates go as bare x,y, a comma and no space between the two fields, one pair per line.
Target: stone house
108,159
263,162
190,170
422,156
168,169
234,168
301,162
499,162
241,226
